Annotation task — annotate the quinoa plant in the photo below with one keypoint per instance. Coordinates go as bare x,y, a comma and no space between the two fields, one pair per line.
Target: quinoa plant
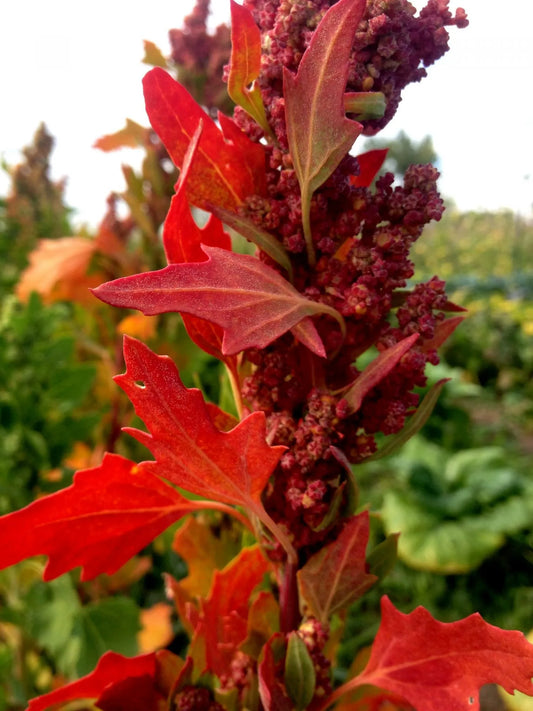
325,342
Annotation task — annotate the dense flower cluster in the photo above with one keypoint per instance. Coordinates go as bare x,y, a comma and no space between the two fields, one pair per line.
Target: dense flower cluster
390,46
362,239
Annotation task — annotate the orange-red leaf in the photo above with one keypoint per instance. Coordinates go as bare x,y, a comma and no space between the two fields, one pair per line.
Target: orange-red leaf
58,268
222,172
111,669
99,522
231,467
252,302
369,165
223,621
436,665
132,135
245,64
336,575
182,239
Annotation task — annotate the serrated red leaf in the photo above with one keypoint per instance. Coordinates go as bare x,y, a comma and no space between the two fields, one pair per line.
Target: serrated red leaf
318,131
252,302
375,371
245,64
222,173
336,576
223,621
111,669
107,515
231,467
369,166
436,665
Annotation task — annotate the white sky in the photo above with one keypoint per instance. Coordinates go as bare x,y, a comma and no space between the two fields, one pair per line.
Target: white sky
77,67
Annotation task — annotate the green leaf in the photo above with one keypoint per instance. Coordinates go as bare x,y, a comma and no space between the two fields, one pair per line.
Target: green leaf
382,559
414,424
300,677
109,624
52,610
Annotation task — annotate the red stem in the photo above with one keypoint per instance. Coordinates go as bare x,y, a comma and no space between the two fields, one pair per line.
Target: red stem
288,599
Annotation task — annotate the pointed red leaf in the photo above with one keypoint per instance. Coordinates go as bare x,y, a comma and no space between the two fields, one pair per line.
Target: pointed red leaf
111,669
374,373
245,64
232,467
222,173
182,239
107,515
252,302
337,575
436,665
223,622
369,166
319,132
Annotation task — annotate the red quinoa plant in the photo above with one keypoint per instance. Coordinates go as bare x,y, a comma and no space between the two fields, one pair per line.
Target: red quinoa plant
327,284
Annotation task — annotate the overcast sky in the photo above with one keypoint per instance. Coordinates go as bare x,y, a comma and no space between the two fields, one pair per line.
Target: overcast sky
77,67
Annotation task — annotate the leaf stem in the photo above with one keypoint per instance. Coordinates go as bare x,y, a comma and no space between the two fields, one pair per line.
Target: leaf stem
278,533
288,599
306,223
224,508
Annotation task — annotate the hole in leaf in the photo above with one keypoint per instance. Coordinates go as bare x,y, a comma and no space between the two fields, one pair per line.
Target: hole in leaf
140,384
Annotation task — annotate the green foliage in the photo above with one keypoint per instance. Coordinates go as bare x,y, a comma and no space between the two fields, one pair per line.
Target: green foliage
476,250
33,209
42,388
454,511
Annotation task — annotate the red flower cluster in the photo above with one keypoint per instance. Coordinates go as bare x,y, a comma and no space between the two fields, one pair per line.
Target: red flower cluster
362,239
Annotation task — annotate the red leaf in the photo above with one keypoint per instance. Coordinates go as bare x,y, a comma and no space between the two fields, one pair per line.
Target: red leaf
230,467
336,575
374,373
222,173
223,624
252,302
111,669
318,131
182,239
245,64
436,665
369,165
271,690
107,515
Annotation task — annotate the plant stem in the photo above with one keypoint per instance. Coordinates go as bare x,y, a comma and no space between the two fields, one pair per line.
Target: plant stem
288,599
